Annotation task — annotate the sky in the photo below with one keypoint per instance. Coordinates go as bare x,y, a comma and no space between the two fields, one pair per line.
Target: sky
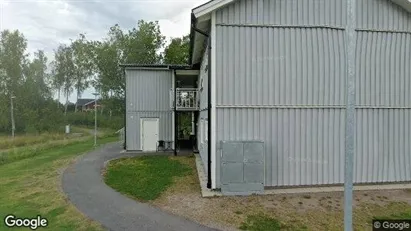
48,23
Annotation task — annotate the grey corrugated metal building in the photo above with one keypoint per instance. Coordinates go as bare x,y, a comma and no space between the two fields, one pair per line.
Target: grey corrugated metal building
275,71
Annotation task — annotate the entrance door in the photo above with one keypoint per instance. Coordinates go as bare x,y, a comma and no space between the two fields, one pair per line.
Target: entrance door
149,134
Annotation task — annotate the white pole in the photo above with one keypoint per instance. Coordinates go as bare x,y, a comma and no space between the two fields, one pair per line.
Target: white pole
350,116
95,119
13,126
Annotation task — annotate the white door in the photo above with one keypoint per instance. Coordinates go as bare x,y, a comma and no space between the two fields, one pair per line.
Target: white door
149,134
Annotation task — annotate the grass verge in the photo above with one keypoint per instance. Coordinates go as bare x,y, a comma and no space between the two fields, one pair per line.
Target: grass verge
260,222
143,178
31,187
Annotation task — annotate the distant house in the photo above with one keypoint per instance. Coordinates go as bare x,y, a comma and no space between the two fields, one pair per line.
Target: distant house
86,104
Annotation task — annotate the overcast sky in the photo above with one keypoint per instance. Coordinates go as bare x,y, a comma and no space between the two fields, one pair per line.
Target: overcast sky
47,23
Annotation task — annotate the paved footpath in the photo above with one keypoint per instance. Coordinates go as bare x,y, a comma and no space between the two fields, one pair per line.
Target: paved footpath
84,186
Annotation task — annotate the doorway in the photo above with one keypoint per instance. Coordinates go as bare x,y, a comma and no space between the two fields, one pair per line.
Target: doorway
149,133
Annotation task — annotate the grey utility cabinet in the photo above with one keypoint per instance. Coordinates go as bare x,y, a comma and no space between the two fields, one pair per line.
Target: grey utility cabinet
242,167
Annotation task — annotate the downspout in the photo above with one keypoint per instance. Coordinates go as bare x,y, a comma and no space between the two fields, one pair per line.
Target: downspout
125,112
175,115
209,115
193,22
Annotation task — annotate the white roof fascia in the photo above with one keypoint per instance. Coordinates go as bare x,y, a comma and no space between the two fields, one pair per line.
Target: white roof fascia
210,7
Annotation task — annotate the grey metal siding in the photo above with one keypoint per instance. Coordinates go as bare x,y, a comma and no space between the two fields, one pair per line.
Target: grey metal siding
148,90
284,12
148,96
133,127
382,15
384,69
203,78
303,146
280,66
281,79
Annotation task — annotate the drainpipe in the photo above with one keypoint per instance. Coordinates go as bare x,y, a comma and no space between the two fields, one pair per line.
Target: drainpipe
193,22
125,112
209,115
175,115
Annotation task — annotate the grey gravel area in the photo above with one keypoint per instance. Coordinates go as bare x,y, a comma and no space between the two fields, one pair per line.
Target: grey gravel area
85,188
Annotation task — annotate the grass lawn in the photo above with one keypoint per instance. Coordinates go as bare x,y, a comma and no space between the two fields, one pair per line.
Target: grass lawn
171,183
31,186
144,178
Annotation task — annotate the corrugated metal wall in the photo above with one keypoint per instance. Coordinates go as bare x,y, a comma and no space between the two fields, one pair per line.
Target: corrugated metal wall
284,12
281,79
382,14
148,96
133,127
383,93
203,85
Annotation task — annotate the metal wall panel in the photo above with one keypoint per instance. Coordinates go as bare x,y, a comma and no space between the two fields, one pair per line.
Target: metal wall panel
383,69
148,96
281,79
382,15
383,145
302,146
281,66
203,85
133,127
148,90
284,12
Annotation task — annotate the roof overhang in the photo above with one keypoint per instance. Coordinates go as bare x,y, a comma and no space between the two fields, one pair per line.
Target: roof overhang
197,40
406,4
157,67
209,7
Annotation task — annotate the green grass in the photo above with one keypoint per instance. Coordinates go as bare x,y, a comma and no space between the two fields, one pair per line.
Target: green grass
260,222
396,210
144,178
32,186
41,143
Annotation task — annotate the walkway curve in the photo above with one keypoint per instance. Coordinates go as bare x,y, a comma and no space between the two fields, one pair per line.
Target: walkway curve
85,188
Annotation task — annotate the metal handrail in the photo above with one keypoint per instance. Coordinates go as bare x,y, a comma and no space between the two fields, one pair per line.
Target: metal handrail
187,98
121,135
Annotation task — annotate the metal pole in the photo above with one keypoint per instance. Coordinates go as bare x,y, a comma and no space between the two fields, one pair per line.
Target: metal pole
350,116
95,120
13,126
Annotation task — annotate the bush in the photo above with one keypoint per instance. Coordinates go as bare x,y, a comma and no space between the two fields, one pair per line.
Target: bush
87,119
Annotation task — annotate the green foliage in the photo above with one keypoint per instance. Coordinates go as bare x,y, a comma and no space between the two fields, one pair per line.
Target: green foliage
83,64
138,45
87,119
76,66
29,186
144,178
177,51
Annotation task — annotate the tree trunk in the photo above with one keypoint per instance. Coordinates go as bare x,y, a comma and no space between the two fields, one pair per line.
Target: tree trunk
78,94
58,103
65,109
